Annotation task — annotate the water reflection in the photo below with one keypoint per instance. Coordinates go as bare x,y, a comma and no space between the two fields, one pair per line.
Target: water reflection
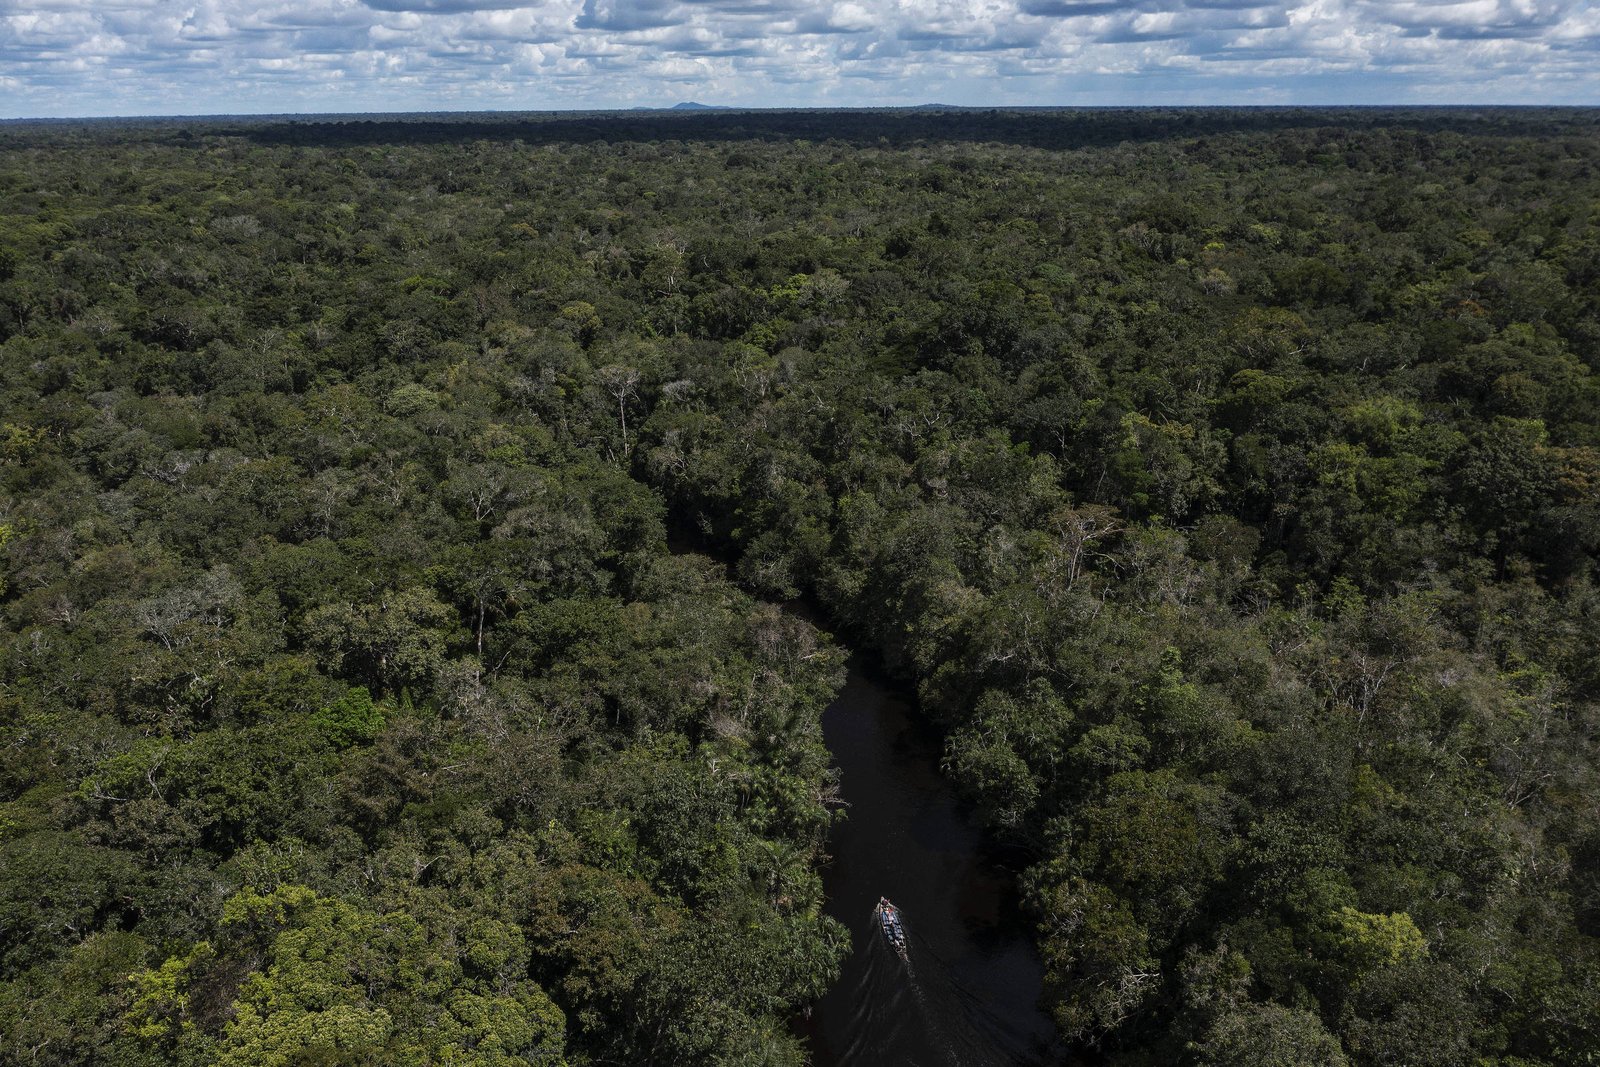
967,996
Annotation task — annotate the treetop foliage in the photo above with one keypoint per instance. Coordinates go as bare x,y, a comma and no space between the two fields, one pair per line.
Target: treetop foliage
1225,483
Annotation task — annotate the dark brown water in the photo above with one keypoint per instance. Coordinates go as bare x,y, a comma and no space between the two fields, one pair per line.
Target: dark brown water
967,996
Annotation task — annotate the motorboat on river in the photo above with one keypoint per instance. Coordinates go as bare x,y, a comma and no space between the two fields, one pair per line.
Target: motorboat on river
889,921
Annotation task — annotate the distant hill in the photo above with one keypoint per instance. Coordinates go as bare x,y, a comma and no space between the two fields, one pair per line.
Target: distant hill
691,105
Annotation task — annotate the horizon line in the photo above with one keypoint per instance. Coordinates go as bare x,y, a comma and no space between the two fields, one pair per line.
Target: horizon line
695,108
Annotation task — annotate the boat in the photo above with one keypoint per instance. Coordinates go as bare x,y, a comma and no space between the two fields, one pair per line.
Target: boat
889,921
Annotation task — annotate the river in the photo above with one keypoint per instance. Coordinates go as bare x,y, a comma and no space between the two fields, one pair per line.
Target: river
968,994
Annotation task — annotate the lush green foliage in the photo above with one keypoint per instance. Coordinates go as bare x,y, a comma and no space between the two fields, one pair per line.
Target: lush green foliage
355,712
1229,487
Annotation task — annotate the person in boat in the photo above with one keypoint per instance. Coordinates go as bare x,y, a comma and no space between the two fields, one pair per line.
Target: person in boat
889,918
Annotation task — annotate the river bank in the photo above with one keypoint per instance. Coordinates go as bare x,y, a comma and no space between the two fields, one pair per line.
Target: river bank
968,995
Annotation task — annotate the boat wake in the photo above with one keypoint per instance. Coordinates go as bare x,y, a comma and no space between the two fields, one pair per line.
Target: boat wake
965,990
918,1008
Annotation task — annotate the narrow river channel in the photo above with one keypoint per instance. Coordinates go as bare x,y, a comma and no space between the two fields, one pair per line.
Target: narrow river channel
968,995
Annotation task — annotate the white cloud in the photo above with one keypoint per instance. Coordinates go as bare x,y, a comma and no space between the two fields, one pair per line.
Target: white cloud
145,56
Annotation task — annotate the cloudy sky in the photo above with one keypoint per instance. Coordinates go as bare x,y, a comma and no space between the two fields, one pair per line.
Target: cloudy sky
137,57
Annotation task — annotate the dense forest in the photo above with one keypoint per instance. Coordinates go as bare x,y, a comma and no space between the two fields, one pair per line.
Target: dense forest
1225,484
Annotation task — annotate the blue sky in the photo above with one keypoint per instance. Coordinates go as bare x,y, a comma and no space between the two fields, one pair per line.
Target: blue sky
136,57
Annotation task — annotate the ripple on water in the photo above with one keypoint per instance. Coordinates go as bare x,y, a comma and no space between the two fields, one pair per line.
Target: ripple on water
968,996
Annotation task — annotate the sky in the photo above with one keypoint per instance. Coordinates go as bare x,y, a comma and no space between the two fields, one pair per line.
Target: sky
190,57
